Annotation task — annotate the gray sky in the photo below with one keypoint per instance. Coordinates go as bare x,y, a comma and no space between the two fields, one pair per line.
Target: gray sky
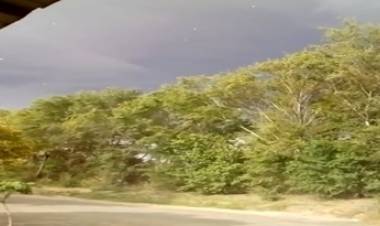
93,44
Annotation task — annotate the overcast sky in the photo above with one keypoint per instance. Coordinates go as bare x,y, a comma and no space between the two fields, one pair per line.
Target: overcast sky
93,44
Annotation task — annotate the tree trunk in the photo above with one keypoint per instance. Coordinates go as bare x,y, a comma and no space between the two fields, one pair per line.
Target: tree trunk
42,166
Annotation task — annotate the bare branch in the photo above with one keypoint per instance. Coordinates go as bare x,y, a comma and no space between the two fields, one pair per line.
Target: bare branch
254,134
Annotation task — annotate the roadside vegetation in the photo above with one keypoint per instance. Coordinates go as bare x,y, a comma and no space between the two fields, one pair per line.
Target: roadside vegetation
307,123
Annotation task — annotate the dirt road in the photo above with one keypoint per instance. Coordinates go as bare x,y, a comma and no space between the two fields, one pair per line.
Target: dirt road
61,211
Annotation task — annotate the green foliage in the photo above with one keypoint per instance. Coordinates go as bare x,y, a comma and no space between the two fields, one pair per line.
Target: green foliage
207,164
334,169
15,150
319,132
12,145
73,131
15,186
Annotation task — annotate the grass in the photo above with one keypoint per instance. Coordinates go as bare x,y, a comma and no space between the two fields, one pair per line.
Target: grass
150,195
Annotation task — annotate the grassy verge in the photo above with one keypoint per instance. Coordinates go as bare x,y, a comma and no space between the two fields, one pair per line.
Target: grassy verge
364,209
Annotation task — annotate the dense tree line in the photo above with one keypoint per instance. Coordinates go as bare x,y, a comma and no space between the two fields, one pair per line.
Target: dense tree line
304,123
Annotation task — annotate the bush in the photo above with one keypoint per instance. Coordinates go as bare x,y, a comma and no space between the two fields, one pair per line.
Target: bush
334,169
206,164
15,186
268,172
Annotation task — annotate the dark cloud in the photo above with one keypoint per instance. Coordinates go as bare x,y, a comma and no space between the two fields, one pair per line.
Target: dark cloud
92,44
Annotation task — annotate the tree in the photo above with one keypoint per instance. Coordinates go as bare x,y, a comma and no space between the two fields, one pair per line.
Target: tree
159,122
72,131
14,148
295,89
327,93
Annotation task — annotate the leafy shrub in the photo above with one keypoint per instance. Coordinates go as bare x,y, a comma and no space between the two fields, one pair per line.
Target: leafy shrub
206,164
334,169
268,172
15,186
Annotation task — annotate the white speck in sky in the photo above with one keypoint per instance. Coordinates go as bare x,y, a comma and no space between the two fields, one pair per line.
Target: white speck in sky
53,23
195,29
253,6
1,59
